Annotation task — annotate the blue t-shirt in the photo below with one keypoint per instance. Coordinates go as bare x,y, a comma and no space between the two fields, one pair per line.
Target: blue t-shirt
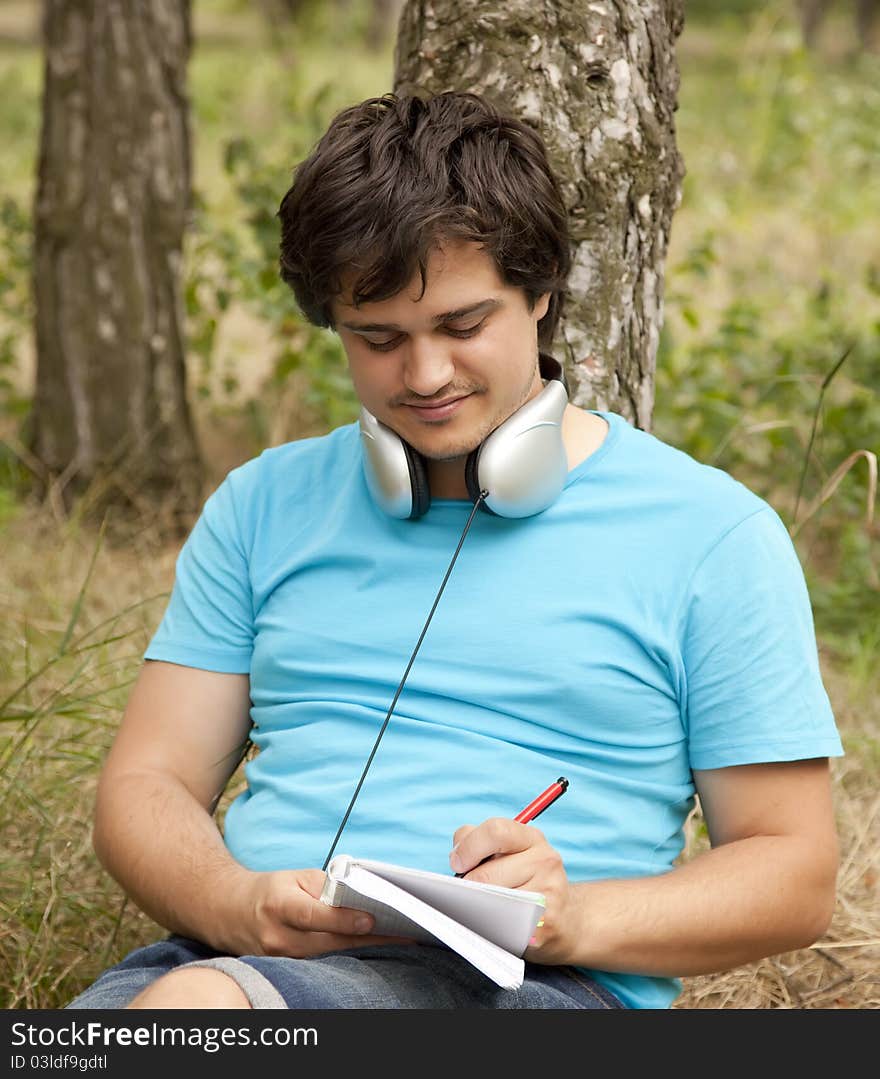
652,621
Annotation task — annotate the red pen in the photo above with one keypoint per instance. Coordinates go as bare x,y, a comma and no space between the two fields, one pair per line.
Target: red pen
546,798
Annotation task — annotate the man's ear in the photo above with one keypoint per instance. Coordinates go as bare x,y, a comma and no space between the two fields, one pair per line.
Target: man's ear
542,306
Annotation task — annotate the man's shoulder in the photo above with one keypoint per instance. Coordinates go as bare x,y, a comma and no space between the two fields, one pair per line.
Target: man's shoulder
693,485
690,504
284,480
300,461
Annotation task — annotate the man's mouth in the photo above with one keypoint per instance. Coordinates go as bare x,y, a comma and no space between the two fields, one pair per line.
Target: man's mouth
436,410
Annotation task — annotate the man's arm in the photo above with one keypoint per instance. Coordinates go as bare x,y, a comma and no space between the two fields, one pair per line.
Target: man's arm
178,743
766,886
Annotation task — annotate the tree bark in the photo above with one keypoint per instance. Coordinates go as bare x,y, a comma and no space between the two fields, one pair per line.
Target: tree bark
110,412
599,81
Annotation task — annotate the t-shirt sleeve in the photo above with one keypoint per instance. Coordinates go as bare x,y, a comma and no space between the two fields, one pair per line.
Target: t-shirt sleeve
754,688
209,620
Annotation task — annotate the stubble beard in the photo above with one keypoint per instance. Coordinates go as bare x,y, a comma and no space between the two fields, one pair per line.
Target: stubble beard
462,450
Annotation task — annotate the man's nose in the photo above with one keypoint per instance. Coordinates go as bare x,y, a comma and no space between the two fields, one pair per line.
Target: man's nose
428,366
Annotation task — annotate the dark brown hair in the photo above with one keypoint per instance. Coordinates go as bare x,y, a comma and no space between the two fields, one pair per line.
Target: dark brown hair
396,176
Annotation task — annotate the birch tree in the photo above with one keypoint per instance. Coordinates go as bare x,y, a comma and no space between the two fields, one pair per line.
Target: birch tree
110,408
599,81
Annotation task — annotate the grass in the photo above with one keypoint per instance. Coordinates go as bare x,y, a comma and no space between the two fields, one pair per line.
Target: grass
76,621
772,272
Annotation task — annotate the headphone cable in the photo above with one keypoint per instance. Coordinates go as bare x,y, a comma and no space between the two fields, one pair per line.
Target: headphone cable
481,497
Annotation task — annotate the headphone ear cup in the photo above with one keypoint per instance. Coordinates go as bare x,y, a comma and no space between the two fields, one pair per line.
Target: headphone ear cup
396,474
523,463
418,478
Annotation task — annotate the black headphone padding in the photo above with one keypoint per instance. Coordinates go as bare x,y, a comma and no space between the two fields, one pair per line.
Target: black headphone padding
418,478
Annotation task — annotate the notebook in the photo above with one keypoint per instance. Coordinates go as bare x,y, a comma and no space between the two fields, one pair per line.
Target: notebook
488,925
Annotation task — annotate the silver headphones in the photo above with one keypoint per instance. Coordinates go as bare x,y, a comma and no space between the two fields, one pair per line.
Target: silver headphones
522,463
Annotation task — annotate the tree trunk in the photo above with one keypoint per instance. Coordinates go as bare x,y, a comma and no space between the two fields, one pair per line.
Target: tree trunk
110,410
599,81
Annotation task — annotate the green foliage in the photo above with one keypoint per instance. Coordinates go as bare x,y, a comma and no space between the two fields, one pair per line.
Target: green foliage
15,300
769,362
20,88
241,260
254,123
15,327
713,10
746,396
20,75
303,348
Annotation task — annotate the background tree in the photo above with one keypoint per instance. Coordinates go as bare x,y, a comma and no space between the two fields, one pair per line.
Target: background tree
110,407
864,12
600,82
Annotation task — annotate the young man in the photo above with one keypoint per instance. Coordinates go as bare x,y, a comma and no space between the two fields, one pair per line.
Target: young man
623,616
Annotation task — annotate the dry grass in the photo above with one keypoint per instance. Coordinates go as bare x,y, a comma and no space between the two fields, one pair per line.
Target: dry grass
66,663
67,658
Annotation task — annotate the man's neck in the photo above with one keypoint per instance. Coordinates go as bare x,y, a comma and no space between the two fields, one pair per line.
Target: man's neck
583,433
446,478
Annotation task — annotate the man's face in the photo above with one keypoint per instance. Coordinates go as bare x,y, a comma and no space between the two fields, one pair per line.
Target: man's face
445,370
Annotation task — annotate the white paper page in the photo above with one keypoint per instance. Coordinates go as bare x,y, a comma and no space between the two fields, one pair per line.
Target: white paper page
389,922
505,916
502,967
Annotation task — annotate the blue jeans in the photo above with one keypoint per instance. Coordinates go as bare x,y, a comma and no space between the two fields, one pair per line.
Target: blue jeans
387,976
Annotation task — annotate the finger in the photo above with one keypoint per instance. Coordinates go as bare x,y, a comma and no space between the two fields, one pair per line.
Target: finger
498,835
313,916
461,832
506,870
311,881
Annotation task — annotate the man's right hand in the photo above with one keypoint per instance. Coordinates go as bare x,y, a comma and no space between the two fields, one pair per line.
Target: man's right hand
280,913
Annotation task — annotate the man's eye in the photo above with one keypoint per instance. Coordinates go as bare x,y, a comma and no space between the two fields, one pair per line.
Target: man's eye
383,346
469,332
393,342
